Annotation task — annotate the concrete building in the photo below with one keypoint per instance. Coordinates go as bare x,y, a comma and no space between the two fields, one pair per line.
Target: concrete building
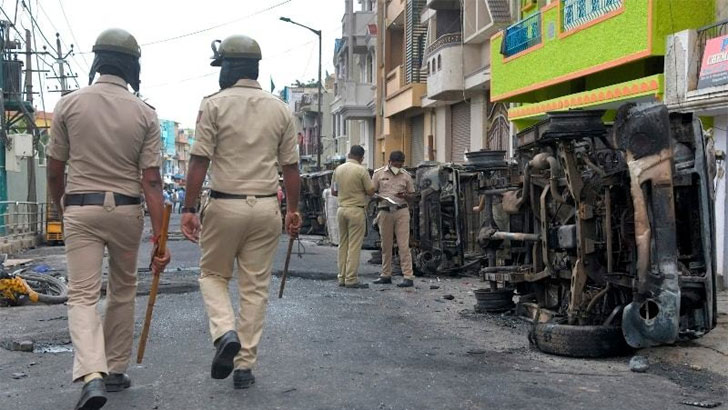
597,54
182,151
353,107
458,115
302,100
169,130
684,92
400,81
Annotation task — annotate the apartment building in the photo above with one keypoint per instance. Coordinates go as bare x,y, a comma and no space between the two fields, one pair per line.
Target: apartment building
353,107
458,113
401,84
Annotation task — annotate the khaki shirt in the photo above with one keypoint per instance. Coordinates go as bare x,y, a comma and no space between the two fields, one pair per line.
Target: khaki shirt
107,135
352,183
246,133
389,185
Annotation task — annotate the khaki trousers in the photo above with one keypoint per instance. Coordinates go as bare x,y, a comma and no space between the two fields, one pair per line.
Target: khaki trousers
246,231
352,226
102,346
395,223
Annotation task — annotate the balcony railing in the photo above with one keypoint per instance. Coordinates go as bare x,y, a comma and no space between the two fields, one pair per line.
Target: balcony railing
522,35
576,13
706,33
444,41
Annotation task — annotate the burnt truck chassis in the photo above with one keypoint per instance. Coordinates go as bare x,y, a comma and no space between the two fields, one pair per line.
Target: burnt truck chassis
582,228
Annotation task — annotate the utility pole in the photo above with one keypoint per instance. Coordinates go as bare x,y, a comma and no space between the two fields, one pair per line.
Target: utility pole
61,60
30,162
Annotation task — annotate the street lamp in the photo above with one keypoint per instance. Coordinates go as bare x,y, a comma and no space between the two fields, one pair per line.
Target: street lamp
318,119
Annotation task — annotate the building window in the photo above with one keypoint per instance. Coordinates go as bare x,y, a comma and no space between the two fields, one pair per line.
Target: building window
428,68
439,62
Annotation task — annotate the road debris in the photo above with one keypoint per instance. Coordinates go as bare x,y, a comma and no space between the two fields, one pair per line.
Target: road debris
434,287
18,376
18,345
639,364
702,404
448,297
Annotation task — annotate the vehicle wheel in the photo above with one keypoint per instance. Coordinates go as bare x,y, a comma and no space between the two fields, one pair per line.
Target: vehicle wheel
579,341
50,290
493,301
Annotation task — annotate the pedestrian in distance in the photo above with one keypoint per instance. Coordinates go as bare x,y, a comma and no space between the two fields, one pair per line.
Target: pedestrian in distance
180,199
175,199
394,188
246,133
110,141
351,185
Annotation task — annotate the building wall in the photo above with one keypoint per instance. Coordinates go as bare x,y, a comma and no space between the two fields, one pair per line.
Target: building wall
442,133
577,52
18,182
721,10
477,122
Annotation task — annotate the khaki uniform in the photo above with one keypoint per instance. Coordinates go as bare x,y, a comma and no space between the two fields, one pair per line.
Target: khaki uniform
352,181
393,221
107,136
245,132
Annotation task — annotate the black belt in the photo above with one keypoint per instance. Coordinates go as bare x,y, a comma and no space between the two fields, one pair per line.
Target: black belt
98,198
222,195
396,207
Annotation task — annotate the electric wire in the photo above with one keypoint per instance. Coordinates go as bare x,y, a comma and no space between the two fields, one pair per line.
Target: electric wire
73,35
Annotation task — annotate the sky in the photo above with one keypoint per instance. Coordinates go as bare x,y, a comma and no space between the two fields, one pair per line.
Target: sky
176,36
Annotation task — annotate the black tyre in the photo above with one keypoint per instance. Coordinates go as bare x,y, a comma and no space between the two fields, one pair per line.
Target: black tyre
493,301
50,290
579,341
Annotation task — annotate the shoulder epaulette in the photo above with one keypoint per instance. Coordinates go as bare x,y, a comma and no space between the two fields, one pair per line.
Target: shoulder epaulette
149,105
213,94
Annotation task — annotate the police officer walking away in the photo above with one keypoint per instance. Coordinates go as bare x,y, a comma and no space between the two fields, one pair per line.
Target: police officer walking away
394,187
245,132
109,138
352,185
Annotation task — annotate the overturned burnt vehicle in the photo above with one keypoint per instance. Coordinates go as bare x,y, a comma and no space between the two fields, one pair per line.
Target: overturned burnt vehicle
608,237
447,218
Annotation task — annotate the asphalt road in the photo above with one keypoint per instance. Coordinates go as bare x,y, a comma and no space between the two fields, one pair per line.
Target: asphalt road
326,347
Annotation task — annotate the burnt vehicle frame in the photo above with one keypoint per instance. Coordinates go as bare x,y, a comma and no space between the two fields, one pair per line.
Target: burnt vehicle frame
591,243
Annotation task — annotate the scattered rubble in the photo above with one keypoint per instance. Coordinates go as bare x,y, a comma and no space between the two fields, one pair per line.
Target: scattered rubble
18,345
639,364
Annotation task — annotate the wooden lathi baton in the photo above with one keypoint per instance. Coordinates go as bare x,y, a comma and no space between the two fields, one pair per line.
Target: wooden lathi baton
161,250
285,267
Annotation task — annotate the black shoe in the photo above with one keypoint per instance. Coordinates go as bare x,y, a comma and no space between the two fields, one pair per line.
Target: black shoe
116,382
383,280
342,284
243,378
93,395
358,286
228,345
407,283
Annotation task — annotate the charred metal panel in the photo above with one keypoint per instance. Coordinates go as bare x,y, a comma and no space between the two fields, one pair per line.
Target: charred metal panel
652,317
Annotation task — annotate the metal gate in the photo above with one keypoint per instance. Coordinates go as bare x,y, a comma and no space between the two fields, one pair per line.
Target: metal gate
417,153
460,132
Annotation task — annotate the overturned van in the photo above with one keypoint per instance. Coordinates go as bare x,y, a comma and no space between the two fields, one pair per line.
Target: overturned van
607,236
